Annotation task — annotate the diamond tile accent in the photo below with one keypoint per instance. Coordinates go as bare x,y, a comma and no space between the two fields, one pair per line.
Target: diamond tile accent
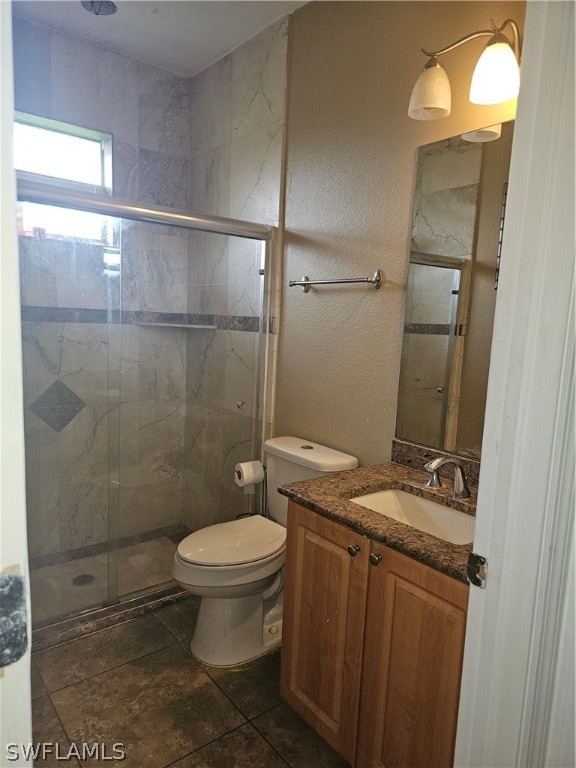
57,406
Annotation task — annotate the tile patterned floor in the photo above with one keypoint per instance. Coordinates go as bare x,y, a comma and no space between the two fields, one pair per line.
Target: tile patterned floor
136,683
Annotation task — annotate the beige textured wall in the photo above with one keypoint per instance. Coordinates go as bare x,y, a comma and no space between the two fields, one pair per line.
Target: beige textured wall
351,154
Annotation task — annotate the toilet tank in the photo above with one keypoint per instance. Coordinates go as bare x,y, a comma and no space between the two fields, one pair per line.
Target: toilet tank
289,459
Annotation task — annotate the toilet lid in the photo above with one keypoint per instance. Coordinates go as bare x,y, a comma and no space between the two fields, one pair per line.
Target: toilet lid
239,541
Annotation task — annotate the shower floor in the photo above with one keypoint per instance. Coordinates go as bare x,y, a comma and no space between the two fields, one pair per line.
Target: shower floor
80,583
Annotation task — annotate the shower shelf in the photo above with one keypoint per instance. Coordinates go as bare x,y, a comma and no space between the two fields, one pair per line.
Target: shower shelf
178,325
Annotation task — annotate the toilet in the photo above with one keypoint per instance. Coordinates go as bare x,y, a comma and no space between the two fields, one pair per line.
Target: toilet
236,568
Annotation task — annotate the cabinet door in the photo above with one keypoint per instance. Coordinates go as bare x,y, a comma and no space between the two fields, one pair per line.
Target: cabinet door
323,626
415,627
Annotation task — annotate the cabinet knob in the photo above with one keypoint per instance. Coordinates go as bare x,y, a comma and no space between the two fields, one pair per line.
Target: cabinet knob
353,550
375,559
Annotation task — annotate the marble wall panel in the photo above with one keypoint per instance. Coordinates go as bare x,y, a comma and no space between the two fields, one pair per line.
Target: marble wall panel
83,515
125,164
124,362
211,101
445,198
208,273
445,222
161,440
203,438
236,447
128,522
201,502
209,181
164,103
94,87
244,282
162,179
206,368
41,351
203,458
450,164
162,356
83,448
154,270
43,520
32,67
160,504
84,360
241,348
42,486
81,280
259,80
256,171
38,270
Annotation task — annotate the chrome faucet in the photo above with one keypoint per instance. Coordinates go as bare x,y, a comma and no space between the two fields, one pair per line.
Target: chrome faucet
461,490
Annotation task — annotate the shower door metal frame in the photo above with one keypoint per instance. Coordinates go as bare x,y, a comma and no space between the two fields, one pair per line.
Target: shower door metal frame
51,194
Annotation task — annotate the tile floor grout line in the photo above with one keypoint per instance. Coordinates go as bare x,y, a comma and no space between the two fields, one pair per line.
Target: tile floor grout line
212,741
219,738
268,741
161,623
110,669
61,723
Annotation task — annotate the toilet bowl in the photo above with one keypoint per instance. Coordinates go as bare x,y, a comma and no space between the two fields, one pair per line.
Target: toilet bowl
236,568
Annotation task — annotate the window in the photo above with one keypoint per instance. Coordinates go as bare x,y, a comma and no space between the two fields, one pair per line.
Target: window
51,150
75,158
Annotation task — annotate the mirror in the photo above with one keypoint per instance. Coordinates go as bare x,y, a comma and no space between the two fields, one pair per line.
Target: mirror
457,217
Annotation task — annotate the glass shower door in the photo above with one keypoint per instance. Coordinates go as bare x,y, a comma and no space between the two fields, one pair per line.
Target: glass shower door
69,301
190,336
142,375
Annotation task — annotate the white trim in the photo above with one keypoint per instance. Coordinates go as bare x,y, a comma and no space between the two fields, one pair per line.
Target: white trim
15,706
525,504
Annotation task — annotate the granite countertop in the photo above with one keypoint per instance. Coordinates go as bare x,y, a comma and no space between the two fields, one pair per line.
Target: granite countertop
329,496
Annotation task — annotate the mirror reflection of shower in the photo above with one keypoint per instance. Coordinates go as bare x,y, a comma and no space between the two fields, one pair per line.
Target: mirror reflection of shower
457,220
428,368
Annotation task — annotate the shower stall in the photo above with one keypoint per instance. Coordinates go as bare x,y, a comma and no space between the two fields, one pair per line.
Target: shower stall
145,360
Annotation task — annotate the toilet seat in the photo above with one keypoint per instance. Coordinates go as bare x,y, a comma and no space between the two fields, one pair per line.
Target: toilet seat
232,545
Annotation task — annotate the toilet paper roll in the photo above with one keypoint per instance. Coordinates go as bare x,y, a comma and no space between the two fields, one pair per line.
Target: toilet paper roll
248,473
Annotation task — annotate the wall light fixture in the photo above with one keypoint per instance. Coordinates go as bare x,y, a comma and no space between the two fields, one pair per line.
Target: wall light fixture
496,77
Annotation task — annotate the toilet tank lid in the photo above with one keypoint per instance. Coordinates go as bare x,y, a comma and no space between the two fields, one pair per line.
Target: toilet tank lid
309,454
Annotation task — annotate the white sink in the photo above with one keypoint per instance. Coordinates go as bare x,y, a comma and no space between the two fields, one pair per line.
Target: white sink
428,516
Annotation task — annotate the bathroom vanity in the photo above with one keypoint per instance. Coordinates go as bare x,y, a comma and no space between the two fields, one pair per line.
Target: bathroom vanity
374,621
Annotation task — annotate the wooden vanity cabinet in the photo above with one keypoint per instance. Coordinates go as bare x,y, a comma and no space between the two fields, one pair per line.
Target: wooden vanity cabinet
323,625
372,646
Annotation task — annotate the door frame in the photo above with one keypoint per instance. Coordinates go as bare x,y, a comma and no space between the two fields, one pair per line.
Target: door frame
518,639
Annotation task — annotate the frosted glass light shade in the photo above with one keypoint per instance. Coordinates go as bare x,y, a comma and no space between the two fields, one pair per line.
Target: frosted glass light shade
497,75
431,97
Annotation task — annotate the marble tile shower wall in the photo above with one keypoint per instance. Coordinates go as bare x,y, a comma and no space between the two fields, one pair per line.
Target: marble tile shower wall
237,124
211,144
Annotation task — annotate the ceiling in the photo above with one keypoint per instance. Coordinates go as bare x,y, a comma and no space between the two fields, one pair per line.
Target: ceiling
179,35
